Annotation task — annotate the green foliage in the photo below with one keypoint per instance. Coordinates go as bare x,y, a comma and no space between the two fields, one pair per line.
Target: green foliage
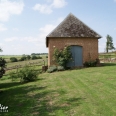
13,75
28,57
39,57
52,69
62,57
13,59
23,58
2,66
0,50
26,74
109,43
36,57
60,68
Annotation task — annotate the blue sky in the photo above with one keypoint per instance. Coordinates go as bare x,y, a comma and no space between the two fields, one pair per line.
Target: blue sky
24,24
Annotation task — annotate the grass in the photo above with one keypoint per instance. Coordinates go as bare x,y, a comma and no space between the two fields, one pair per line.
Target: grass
82,92
24,62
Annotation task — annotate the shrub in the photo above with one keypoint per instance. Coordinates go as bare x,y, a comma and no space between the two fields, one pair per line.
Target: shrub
13,75
62,57
28,57
34,57
26,74
52,69
60,68
2,66
22,58
13,59
39,57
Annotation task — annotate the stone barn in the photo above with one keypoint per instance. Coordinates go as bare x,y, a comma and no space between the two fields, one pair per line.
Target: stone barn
73,32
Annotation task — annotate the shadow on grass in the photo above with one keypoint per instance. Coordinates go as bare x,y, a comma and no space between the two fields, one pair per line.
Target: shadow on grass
10,84
108,64
35,100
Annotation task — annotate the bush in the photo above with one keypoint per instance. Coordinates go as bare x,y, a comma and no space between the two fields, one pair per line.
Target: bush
22,58
52,69
60,68
13,75
26,74
13,59
28,57
39,57
2,66
62,57
34,57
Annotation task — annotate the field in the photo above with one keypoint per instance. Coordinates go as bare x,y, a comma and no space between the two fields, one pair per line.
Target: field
12,65
81,92
107,55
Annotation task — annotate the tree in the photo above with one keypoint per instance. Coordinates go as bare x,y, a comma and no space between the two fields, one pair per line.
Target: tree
2,66
13,59
28,57
0,50
109,43
34,57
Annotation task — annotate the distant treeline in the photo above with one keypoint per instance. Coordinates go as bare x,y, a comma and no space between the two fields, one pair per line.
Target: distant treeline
39,54
31,54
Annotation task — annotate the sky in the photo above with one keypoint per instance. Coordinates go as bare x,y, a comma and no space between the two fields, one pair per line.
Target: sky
24,24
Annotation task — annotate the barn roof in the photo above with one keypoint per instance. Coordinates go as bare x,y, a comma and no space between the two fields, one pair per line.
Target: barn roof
71,26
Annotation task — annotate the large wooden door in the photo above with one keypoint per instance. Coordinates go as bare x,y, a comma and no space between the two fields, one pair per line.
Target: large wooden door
77,56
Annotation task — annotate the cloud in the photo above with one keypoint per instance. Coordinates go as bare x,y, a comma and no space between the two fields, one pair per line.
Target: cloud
48,8
11,39
2,28
8,8
29,44
59,3
45,9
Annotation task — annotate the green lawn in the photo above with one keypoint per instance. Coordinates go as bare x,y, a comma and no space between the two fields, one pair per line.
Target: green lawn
82,92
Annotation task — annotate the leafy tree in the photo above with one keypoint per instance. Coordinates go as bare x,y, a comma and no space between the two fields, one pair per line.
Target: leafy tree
109,43
0,50
34,57
2,66
22,58
13,59
28,57
33,54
